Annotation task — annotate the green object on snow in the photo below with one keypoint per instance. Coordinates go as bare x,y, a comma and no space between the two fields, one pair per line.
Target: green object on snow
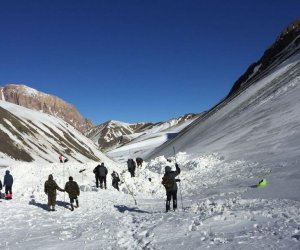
262,183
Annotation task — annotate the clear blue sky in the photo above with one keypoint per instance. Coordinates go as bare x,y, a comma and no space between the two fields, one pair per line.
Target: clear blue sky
134,60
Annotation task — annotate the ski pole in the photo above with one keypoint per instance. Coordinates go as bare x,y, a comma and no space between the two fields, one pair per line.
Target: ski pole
179,183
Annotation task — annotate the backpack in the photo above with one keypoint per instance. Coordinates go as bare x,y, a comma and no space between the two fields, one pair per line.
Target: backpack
168,182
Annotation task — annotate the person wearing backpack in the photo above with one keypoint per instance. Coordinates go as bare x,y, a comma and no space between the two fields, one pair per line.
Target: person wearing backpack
115,180
72,189
170,184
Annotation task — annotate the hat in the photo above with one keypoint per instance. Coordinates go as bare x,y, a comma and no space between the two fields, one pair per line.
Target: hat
50,177
167,169
70,178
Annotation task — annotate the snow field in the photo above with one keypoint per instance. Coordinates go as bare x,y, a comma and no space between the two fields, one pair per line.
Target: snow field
219,211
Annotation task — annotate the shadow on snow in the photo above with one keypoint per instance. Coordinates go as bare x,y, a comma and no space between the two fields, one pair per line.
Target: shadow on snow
122,209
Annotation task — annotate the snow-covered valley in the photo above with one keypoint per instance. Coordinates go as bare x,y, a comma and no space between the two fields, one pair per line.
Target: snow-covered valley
223,156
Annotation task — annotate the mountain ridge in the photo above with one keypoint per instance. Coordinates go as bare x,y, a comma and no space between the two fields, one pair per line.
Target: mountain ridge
33,99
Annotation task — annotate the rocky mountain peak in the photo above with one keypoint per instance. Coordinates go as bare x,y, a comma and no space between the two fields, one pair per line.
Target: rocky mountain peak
30,98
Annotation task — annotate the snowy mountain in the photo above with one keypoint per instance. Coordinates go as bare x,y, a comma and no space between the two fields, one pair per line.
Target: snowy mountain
141,144
28,135
252,134
49,104
114,134
264,109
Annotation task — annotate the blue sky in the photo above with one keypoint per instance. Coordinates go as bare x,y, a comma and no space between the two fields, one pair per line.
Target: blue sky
134,60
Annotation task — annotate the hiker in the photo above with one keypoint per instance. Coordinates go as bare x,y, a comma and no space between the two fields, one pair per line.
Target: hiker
7,183
62,159
97,177
139,161
50,190
170,184
72,189
115,180
102,175
131,167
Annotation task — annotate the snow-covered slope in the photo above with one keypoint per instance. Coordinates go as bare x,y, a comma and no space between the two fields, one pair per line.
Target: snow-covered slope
263,119
33,136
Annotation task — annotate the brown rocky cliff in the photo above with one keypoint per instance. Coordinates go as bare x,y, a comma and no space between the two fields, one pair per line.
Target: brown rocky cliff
33,99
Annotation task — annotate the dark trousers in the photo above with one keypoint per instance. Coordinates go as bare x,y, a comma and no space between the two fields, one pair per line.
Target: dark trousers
170,195
8,189
131,171
102,179
97,180
72,199
115,184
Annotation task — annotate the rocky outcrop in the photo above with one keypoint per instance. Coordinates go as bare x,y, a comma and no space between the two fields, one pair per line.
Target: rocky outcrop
35,100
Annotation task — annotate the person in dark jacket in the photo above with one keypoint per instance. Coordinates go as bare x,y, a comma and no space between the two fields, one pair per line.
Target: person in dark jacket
73,190
115,180
7,183
97,177
131,167
102,172
170,184
139,161
50,190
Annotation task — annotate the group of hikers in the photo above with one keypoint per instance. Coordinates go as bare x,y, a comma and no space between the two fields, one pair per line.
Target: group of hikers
100,171
169,179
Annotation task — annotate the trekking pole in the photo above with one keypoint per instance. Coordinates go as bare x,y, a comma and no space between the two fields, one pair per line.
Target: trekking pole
180,182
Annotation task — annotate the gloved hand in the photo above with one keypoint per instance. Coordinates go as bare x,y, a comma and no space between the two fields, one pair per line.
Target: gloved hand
177,180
